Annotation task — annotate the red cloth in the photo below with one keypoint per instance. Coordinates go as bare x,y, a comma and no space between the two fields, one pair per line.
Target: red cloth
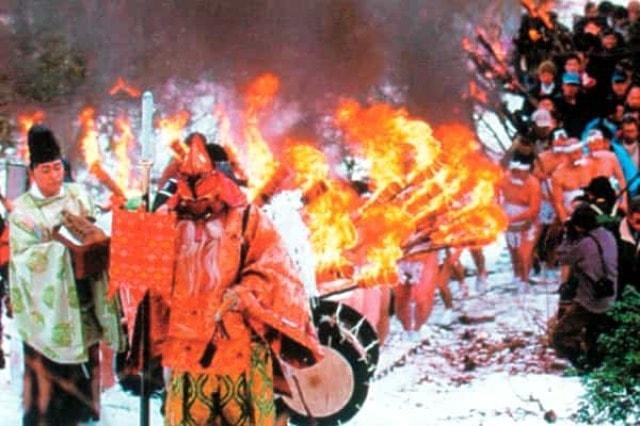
142,257
272,298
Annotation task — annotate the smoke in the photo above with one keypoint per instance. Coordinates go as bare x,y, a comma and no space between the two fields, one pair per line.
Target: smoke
322,49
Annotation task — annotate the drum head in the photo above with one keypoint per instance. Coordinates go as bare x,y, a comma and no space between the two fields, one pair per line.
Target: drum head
353,326
332,391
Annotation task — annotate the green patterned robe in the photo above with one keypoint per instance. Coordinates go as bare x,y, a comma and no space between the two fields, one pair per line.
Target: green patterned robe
42,286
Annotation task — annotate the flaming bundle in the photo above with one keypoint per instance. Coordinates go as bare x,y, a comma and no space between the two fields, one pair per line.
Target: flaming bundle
327,211
422,185
440,188
170,128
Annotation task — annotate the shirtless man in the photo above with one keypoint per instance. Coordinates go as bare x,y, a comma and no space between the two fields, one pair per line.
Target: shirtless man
521,197
569,178
544,166
604,161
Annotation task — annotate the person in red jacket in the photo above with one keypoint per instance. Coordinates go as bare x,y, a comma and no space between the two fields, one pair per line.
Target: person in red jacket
236,306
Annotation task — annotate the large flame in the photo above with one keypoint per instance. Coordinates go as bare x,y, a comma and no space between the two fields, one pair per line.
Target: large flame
25,122
329,203
262,165
393,144
424,186
171,128
440,188
122,144
89,137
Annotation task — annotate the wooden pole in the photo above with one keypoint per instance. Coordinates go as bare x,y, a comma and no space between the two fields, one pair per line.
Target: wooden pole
146,164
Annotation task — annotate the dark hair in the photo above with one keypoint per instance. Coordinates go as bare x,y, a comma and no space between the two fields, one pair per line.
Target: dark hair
629,119
572,55
620,12
634,204
546,97
217,153
589,5
584,217
600,125
606,7
600,193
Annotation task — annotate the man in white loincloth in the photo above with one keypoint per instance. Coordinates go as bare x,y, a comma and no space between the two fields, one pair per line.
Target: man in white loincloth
569,178
521,197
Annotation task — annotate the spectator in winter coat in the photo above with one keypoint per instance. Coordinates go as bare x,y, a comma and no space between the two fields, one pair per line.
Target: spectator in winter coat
591,254
628,237
627,149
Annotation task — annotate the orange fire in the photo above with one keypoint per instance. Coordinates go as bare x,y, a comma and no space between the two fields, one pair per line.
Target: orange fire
25,122
91,150
261,93
327,210
89,137
170,128
396,145
477,93
424,185
122,143
121,85
261,163
538,12
472,215
438,187
225,138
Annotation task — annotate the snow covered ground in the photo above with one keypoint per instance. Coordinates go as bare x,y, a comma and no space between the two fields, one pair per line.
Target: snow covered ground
487,368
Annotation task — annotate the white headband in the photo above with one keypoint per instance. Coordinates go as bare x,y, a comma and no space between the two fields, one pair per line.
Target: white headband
570,148
559,134
516,165
594,135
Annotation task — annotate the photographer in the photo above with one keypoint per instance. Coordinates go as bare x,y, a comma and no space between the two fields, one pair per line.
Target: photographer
591,254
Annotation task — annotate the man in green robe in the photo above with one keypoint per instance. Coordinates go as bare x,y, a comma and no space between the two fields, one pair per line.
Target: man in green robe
60,319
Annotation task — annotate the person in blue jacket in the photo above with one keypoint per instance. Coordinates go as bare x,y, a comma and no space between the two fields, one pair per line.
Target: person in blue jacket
627,149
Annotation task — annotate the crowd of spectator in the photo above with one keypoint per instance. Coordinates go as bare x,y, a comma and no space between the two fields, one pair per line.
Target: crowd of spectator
578,134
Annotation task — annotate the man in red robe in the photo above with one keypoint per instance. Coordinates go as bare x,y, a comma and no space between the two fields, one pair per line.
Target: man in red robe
236,308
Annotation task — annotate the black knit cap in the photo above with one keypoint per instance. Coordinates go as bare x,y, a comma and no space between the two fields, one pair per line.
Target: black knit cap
584,217
600,188
43,146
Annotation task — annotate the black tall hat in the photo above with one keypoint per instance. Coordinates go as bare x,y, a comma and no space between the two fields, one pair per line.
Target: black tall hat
43,146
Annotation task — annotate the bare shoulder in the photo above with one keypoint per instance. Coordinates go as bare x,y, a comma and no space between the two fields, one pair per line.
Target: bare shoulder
533,182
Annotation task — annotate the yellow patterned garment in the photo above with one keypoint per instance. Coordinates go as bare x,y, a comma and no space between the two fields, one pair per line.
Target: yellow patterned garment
244,399
46,307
